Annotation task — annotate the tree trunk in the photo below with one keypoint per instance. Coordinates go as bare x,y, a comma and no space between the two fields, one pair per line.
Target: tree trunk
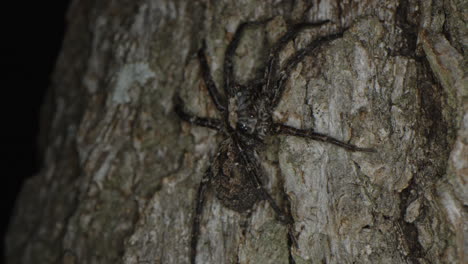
121,170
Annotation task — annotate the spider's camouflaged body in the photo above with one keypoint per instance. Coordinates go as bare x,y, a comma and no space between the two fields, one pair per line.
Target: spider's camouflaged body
235,173
248,122
248,119
230,179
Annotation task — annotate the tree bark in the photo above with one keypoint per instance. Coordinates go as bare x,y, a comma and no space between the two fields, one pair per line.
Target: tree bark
121,170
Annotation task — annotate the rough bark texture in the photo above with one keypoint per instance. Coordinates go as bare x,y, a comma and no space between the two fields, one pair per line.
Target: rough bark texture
121,170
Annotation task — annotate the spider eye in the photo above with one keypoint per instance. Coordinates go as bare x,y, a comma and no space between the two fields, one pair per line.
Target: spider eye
243,127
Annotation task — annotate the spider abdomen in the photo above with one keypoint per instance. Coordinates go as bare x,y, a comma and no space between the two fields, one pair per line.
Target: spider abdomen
230,181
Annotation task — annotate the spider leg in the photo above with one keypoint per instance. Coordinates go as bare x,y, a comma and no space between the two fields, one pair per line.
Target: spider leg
291,63
229,56
218,100
287,130
201,193
195,120
251,167
279,45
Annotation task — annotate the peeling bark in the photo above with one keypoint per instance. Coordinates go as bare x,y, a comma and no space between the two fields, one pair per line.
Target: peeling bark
121,170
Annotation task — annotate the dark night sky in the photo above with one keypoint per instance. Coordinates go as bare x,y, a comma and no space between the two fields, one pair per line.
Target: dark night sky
32,36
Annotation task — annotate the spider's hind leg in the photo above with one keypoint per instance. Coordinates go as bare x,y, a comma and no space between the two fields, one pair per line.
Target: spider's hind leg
254,171
200,202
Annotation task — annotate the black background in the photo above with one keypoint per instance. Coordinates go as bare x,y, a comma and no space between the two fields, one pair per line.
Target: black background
32,36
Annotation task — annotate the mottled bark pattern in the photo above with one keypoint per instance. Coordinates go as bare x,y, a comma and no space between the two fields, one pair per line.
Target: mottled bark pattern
121,171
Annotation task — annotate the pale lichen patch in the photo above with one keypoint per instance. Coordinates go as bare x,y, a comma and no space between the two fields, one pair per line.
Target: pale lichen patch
128,76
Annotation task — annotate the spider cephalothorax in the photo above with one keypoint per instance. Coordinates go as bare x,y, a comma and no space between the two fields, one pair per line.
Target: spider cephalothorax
248,114
235,173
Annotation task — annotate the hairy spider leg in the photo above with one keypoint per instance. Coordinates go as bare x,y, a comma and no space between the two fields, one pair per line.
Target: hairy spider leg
251,168
195,120
272,63
206,179
200,199
291,63
284,217
307,133
219,101
229,80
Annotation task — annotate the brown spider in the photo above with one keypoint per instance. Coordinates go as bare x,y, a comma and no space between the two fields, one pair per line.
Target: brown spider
246,110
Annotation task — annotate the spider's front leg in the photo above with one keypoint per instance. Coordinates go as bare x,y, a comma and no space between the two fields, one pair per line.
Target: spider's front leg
308,133
229,79
279,83
200,202
218,100
272,63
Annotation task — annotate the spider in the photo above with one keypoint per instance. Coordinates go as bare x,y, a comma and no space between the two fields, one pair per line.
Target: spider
235,173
